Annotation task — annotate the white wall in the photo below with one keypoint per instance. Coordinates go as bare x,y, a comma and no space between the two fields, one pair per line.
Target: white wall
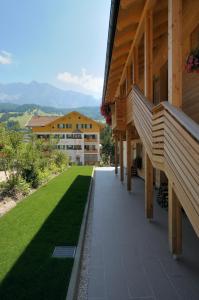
74,153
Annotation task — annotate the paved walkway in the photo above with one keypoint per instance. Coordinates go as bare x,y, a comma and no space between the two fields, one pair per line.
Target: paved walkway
129,256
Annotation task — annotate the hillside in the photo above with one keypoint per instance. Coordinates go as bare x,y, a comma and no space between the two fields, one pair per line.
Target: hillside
44,94
10,112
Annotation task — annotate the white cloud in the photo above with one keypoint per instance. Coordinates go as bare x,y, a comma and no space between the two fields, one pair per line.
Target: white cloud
85,81
5,58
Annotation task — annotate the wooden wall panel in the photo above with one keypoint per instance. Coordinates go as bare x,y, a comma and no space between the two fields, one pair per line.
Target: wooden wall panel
190,104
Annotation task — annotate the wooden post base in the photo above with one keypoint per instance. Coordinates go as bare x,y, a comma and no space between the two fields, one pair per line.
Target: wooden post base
175,223
116,155
121,159
148,188
129,158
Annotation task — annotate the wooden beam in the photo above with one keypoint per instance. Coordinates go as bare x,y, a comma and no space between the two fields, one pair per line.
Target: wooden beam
116,154
128,77
148,90
148,56
175,222
175,97
175,52
135,66
129,156
121,158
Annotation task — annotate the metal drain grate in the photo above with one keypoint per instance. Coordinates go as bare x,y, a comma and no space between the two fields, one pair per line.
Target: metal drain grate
64,252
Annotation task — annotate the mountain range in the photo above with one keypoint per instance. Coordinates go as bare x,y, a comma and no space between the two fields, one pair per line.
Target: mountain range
44,94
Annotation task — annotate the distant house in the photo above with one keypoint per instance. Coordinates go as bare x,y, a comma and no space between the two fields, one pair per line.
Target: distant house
77,134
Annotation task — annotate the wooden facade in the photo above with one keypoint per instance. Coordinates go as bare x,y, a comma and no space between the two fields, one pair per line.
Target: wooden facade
154,101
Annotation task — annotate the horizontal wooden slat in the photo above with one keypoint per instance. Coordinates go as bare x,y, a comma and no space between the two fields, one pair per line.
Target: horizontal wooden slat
184,148
171,140
158,127
158,133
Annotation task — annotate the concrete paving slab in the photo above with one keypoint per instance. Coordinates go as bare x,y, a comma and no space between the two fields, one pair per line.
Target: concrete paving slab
129,256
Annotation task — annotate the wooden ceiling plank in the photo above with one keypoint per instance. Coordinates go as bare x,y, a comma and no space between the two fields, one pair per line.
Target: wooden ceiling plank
126,3
130,15
129,20
124,39
116,75
119,51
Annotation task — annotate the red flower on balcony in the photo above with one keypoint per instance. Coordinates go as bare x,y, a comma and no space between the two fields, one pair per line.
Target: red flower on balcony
192,63
106,112
108,120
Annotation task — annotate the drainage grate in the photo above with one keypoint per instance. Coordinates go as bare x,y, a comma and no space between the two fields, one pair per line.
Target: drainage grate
64,252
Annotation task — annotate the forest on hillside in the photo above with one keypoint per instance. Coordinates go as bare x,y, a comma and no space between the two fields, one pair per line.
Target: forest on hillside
18,115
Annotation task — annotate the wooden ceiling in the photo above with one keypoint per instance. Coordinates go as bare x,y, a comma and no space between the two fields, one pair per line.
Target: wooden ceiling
128,19
129,16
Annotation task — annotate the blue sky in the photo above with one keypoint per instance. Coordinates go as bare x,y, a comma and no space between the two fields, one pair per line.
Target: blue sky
62,42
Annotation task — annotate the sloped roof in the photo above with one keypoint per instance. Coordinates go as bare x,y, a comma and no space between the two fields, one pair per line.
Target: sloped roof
89,119
36,121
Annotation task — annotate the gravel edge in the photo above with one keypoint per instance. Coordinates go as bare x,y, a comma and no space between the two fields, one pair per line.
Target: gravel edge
82,293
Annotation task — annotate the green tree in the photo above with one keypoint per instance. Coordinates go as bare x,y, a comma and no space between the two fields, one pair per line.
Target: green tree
26,159
107,151
13,125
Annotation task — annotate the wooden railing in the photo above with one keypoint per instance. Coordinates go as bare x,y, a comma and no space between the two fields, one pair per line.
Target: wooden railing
119,115
113,114
129,108
142,116
171,140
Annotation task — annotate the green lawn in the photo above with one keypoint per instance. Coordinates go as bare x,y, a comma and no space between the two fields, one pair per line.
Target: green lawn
49,217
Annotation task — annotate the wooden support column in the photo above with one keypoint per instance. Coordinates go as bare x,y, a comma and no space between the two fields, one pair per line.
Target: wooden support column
135,65
175,98
148,56
175,222
148,187
175,52
129,156
148,88
121,159
116,154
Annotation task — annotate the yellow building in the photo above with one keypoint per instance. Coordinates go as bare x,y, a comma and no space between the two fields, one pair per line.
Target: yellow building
77,134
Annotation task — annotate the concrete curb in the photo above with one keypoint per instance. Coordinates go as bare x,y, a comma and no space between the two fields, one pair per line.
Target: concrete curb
75,275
